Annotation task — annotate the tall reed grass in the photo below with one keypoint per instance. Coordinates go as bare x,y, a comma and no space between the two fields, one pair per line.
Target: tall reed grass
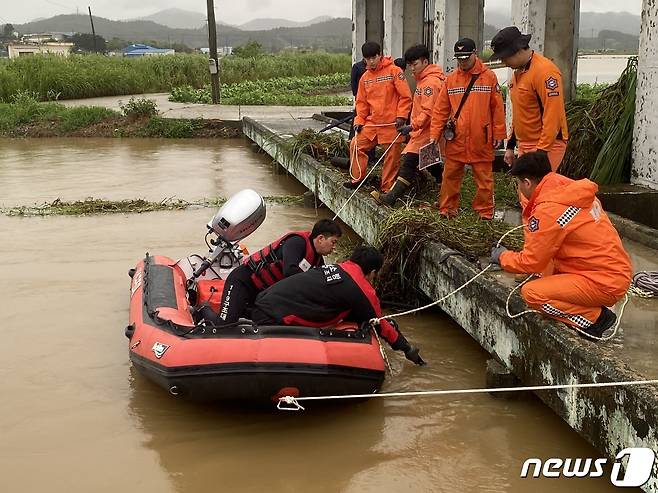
86,76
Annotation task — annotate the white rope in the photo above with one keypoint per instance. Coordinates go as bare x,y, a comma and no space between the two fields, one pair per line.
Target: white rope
383,352
354,157
451,293
295,400
366,177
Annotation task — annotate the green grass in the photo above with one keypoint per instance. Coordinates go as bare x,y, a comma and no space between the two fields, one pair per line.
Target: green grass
86,76
82,116
170,128
292,91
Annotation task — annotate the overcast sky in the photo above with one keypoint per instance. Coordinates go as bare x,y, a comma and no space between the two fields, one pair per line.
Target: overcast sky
233,11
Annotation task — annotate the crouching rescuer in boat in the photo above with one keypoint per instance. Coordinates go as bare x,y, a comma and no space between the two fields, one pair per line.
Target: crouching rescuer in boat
326,295
569,236
291,254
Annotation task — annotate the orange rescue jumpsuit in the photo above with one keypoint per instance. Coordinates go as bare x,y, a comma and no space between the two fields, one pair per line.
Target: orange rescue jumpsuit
566,224
382,97
481,121
428,87
539,120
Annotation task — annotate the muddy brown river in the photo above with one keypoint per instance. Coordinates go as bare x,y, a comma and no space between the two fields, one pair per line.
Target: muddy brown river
76,418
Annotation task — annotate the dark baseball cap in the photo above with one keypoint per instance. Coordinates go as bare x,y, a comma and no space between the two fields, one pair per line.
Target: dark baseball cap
508,41
464,48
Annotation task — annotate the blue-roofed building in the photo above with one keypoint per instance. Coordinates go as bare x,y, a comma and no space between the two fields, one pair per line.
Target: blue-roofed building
146,50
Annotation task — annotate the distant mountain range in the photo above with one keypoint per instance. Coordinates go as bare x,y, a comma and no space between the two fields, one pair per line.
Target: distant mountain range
187,19
591,23
189,28
332,35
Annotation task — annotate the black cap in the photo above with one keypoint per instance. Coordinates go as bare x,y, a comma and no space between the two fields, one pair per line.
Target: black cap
464,48
508,41
399,62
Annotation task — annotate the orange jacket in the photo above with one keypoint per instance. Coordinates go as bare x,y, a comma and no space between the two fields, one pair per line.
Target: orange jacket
481,121
566,224
539,81
382,97
428,87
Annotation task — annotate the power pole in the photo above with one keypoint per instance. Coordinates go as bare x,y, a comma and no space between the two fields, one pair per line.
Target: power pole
213,63
93,31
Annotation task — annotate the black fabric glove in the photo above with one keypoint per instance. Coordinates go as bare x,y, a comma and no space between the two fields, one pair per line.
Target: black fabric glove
413,355
406,130
358,128
496,253
410,352
400,122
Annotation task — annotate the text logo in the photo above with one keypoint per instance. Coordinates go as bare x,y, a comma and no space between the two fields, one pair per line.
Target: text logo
637,470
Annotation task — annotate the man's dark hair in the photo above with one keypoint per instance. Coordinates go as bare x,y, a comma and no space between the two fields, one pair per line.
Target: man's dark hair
532,165
326,227
416,52
370,49
368,258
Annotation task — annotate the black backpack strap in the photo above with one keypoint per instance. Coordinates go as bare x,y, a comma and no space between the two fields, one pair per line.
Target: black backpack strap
465,96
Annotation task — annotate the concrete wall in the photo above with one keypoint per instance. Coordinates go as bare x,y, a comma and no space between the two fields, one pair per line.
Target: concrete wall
645,143
537,351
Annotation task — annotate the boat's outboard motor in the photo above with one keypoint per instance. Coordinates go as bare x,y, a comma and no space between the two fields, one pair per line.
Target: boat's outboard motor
240,216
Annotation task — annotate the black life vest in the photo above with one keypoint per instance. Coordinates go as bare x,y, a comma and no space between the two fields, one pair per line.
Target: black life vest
267,267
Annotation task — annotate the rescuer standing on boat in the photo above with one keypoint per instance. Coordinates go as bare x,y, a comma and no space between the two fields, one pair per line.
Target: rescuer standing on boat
291,254
324,296
566,225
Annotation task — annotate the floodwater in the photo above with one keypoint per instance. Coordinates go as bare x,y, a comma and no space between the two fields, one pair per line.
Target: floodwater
76,418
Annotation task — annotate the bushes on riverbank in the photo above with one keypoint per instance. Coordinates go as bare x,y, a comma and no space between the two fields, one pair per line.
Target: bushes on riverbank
26,117
86,76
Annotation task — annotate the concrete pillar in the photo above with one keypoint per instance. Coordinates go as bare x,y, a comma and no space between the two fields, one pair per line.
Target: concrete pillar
375,21
446,33
393,27
644,170
358,28
561,40
412,23
554,28
456,19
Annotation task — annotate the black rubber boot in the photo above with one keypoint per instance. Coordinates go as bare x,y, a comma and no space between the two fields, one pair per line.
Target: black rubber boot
351,185
606,320
399,188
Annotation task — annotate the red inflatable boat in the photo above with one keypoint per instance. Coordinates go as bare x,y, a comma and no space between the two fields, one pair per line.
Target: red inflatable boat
243,362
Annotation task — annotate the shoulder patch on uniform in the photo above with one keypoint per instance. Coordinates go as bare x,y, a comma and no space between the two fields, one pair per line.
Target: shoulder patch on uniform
428,91
567,216
497,87
331,274
551,83
553,93
533,224
401,76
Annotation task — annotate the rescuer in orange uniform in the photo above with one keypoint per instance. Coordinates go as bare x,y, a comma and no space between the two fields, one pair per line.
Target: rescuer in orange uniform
539,121
477,130
383,102
567,225
429,81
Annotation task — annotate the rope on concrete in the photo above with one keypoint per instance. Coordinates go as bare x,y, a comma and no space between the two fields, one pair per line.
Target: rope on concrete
645,284
293,402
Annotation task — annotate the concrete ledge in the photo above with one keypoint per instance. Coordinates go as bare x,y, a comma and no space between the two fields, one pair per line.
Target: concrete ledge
537,351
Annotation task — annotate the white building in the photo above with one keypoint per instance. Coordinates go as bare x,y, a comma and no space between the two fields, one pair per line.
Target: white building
24,49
